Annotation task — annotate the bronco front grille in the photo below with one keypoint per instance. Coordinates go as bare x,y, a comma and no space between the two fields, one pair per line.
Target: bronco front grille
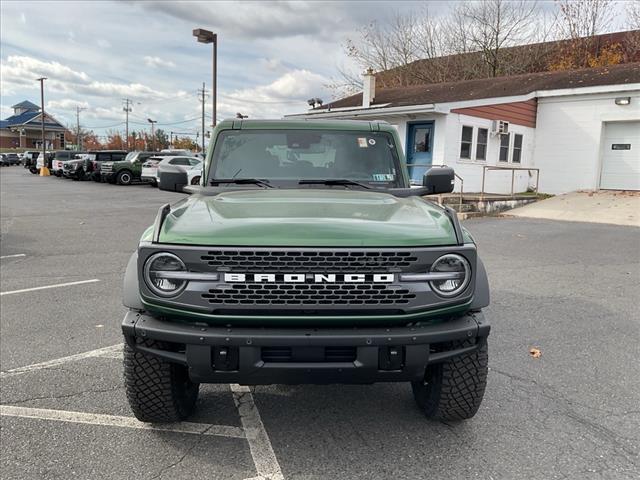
310,261
308,295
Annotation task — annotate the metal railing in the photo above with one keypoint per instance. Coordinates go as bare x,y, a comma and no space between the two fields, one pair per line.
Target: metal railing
513,174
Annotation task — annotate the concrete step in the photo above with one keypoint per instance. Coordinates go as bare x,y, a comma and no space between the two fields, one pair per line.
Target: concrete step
467,215
465,207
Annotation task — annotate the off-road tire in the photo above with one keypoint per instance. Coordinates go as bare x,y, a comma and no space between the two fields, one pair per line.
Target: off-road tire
453,390
124,177
158,391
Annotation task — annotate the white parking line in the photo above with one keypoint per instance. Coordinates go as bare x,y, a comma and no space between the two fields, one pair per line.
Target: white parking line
107,352
264,458
119,421
58,285
13,256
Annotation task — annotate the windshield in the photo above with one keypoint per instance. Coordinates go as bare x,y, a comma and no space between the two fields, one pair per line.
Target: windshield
130,156
293,155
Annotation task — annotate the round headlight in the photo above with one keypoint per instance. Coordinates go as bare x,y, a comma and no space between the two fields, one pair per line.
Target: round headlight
454,264
158,274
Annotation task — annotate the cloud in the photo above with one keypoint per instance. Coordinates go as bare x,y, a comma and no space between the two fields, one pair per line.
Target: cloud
157,62
287,93
102,43
23,70
66,104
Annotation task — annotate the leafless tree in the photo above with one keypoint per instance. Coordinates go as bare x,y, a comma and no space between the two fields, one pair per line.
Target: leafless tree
491,26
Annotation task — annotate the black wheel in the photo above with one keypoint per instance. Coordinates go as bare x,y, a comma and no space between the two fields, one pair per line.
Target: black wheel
33,170
195,181
157,391
453,390
124,177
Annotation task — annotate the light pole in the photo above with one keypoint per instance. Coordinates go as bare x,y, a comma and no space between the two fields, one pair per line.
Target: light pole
153,136
205,36
44,171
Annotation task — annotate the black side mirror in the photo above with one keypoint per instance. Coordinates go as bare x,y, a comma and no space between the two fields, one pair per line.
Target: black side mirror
439,180
172,178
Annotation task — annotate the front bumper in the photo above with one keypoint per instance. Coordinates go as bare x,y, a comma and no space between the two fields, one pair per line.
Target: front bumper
108,177
205,349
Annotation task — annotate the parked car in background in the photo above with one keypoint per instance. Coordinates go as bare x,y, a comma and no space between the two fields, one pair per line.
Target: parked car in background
188,164
59,158
13,158
4,160
128,170
78,168
30,157
149,172
97,157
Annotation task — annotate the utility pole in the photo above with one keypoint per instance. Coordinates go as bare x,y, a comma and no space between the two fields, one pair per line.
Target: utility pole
78,142
153,136
202,97
127,108
44,171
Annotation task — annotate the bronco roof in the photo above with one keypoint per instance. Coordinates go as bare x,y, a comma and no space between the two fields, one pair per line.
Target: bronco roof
304,124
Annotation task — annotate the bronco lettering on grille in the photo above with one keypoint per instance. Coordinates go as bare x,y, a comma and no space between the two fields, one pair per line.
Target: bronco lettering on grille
308,277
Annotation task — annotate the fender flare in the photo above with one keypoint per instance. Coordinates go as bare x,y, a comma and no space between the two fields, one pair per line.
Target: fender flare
131,288
481,297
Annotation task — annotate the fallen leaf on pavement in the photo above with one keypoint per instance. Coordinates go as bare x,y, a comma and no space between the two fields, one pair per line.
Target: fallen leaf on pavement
535,352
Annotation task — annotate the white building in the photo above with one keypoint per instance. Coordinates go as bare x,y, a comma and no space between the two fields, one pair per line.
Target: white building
580,128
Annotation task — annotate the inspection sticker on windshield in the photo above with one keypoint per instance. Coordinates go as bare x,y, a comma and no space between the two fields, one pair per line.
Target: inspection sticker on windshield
362,142
383,177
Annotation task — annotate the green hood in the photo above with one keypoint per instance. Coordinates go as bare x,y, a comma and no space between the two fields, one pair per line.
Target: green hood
307,217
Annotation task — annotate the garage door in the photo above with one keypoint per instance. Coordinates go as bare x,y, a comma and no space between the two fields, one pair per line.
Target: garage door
621,156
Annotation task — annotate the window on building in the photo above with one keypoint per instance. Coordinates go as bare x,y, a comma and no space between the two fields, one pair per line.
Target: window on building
481,144
504,148
422,140
465,142
517,148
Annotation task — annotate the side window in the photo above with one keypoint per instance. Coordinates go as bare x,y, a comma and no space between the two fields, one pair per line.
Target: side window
465,142
117,157
194,162
504,148
179,161
101,157
517,148
481,144
422,140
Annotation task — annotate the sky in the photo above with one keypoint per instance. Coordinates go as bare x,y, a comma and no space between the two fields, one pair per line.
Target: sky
272,57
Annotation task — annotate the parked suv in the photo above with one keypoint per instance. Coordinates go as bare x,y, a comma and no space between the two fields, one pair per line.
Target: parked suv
127,170
305,257
152,167
98,157
30,157
61,156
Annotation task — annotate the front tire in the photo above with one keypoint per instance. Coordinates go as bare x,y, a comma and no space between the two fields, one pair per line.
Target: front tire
158,391
124,178
195,181
453,390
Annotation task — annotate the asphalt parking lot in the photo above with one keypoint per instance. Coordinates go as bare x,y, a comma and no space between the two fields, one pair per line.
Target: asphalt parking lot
569,289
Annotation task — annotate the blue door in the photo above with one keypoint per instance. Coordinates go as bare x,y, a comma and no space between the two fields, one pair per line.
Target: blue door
419,149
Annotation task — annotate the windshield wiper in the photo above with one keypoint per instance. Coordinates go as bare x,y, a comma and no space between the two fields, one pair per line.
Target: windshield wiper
333,181
241,181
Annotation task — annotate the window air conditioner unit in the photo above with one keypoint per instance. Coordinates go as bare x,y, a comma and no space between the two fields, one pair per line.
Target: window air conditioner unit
499,127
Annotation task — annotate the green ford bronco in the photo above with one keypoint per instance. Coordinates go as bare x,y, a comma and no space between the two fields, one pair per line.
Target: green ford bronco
305,257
